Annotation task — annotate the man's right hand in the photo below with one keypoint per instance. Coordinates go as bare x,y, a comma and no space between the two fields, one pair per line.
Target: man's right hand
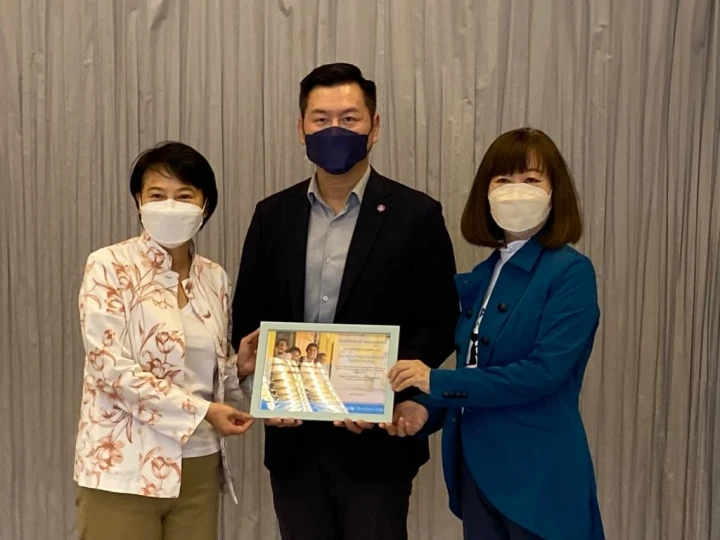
227,420
409,417
246,354
283,422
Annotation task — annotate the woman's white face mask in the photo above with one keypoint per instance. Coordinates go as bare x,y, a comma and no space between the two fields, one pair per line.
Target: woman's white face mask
519,208
171,223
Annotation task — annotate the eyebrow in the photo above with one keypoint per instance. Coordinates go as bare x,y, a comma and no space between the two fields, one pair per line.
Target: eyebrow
344,111
523,172
191,189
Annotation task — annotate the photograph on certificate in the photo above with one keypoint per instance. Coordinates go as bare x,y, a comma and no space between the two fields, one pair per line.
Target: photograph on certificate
324,372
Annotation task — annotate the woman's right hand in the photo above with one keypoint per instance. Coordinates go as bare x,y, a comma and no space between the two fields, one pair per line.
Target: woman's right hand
227,420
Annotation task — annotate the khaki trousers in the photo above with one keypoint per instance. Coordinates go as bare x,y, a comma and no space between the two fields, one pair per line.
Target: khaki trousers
103,515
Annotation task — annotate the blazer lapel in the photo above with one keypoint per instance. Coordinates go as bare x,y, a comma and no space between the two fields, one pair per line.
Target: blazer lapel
471,289
471,286
507,293
297,217
376,205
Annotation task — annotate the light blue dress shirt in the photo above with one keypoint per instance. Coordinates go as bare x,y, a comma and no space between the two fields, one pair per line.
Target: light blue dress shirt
329,237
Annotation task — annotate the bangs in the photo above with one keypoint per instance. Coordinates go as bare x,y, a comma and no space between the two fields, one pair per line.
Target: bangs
165,170
518,155
179,171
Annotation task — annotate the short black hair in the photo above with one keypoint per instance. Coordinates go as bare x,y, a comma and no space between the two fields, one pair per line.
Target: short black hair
312,345
294,349
335,75
281,340
184,163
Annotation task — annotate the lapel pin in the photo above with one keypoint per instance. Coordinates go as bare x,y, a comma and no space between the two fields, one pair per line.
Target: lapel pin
381,208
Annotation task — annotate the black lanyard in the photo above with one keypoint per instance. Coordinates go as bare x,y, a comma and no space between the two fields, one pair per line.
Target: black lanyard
472,361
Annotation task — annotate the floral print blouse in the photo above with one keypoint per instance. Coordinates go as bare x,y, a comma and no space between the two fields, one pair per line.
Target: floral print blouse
135,413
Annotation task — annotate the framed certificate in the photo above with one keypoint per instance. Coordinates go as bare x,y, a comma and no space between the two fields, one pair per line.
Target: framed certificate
324,372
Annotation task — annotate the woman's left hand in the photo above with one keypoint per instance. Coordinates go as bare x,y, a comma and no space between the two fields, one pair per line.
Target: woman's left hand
407,373
247,354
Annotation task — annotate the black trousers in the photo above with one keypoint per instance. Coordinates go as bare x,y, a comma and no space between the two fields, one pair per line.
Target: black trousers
320,499
481,520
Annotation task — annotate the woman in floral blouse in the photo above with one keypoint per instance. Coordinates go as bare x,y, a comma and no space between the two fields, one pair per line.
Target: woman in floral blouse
150,456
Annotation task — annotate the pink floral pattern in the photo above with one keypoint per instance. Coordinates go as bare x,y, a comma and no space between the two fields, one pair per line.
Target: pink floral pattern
135,413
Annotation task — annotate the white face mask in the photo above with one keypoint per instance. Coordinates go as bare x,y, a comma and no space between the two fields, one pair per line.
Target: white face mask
519,208
171,223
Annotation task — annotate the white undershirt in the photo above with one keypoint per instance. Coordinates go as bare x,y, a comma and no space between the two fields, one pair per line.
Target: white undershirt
505,254
200,367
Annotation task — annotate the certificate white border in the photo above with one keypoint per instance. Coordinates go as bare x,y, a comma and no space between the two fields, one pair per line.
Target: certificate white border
265,327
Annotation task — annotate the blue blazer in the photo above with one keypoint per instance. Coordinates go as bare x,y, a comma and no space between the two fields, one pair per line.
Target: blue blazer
515,419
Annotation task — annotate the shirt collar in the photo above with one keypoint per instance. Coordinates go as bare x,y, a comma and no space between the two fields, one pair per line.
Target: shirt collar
359,189
511,249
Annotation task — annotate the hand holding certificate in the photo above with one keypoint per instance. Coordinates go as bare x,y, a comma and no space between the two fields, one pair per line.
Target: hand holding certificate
324,372
355,427
409,418
408,373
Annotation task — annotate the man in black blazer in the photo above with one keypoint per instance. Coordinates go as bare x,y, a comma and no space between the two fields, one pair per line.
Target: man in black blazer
347,246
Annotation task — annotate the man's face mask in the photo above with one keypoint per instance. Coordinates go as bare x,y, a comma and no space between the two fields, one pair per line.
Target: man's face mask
336,149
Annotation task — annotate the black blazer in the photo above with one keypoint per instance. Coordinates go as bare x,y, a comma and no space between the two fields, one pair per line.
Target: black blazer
399,271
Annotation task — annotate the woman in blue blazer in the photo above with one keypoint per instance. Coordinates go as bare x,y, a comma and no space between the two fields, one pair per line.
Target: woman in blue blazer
515,454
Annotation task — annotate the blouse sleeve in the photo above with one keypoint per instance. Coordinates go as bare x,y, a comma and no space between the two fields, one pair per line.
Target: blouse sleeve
236,389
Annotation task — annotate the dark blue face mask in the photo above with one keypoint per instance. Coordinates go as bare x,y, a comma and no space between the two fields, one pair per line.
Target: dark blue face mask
336,149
